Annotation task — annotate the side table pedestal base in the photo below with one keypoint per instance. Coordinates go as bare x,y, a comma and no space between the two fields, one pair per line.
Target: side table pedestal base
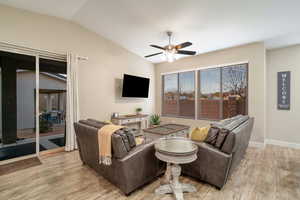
175,186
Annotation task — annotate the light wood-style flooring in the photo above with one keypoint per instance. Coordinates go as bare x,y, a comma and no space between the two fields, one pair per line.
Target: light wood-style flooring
272,173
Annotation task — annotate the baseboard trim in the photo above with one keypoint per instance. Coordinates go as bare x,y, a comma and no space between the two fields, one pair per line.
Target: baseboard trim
283,143
257,144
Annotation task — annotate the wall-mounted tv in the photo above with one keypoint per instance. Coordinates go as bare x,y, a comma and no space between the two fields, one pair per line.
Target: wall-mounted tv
135,86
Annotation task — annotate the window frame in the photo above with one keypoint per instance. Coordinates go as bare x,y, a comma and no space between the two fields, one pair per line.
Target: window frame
197,88
178,93
199,93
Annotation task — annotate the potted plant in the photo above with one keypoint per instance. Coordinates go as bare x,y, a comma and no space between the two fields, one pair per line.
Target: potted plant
155,120
138,111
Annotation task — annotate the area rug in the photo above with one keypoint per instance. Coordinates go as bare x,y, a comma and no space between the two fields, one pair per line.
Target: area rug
19,165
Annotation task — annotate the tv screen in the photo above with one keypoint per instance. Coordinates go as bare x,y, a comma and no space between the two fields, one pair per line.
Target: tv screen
134,86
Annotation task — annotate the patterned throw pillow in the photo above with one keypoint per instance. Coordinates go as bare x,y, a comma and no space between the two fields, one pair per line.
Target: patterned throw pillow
212,136
200,134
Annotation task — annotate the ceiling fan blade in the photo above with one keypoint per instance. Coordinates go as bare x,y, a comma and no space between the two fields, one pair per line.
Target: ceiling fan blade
158,47
153,55
186,52
183,45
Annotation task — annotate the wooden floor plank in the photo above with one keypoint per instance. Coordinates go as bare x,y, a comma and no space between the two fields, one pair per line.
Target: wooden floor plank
272,173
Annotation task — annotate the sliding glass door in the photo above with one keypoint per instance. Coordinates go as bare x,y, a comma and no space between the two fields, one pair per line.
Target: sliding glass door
52,104
18,83
33,105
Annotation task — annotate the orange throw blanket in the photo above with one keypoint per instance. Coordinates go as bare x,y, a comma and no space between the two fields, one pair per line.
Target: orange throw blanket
104,141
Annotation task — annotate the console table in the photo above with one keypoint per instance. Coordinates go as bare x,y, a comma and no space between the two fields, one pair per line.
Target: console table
140,120
175,151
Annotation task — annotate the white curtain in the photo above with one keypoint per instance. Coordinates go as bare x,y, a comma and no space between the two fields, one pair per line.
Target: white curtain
72,114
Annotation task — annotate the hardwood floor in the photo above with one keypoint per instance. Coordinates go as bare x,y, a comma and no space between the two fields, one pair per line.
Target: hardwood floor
272,173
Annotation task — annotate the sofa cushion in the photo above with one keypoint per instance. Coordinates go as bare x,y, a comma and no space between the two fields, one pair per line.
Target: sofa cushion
230,140
130,136
118,147
212,135
236,123
122,140
92,123
221,138
224,122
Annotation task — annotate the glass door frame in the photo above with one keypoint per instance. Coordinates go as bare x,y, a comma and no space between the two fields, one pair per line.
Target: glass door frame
38,54
37,105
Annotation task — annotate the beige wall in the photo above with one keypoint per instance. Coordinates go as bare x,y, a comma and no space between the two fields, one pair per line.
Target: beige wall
283,125
253,53
97,76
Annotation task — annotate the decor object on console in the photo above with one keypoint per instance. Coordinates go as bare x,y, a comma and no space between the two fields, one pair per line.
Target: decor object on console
115,115
155,120
138,111
175,151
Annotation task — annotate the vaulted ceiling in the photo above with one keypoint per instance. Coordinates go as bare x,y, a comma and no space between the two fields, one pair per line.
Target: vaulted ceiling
208,24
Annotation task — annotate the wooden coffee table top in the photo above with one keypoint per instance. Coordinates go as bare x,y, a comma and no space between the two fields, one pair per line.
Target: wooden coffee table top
166,129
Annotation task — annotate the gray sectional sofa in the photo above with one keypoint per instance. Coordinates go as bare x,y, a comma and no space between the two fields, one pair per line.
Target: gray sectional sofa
133,168
215,165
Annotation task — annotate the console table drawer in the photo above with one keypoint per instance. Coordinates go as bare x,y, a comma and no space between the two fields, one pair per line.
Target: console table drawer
128,121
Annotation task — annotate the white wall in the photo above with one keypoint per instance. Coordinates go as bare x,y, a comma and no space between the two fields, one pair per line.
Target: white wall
25,96
97,76
283,125
253,53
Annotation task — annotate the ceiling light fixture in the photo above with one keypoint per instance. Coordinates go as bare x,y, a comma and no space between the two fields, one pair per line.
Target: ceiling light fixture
170,52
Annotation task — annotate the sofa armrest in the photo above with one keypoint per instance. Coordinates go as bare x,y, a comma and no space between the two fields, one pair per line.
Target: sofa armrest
137,150
139,166
212,165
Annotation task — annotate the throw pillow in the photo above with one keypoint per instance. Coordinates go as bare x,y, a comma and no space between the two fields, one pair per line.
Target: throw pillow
131,139
124,138
139,141
221,138
212,136
200,134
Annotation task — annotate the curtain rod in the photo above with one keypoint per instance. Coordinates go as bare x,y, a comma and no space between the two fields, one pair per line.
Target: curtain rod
82,58
33,52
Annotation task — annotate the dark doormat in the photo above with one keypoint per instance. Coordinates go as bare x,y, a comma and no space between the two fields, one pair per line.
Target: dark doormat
19,165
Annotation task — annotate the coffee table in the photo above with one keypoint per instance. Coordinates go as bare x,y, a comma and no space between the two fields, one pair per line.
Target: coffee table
175,151
167,130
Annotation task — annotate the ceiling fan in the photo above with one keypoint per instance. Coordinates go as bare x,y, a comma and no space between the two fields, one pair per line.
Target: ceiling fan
170,50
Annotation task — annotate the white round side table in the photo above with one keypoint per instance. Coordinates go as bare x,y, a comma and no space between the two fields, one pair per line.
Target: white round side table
175,151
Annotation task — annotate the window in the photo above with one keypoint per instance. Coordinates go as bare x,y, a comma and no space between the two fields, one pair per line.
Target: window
187,94
234,95
222,93
210,94
179,94
170,103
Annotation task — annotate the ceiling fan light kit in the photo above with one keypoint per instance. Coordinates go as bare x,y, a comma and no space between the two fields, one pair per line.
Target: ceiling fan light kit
170,51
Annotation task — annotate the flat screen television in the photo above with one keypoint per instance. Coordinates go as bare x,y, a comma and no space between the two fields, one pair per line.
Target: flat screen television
135,86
